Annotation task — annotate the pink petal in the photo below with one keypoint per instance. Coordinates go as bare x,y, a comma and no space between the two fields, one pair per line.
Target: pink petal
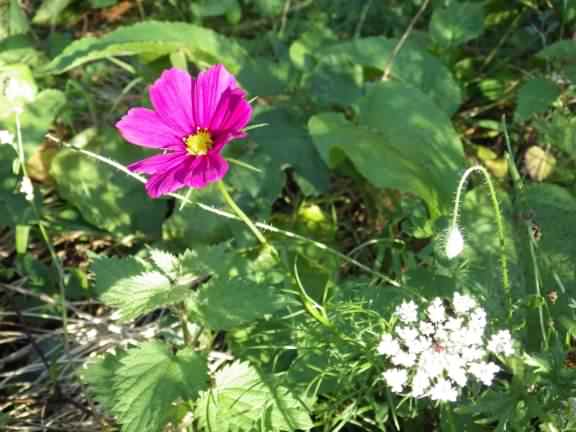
207,90
206,169
232,113
143,127
158,163
171,96
165,182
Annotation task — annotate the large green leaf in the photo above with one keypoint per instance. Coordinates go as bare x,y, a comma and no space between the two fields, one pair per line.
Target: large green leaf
534,97
227,303
457,24
99,373
401,141
106,197
241,398
154,38
150,380
412,66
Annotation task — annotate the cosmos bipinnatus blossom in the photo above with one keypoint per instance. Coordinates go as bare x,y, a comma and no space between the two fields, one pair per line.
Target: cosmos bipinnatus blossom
434,352
191,122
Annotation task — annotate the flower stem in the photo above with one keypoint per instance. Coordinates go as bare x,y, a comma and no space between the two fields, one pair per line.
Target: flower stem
44,234
243,217
499,222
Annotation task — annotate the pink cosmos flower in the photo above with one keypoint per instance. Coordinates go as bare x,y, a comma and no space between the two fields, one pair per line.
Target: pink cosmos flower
192,120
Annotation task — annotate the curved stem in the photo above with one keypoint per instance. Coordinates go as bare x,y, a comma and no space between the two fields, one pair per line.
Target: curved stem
499,221
243,217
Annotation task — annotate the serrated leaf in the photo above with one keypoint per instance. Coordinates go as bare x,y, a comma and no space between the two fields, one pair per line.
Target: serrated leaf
110,270
99,373
534,97
150,380
457,24
240,398
141,294
401,141
214,260
165,261
227,303
151,37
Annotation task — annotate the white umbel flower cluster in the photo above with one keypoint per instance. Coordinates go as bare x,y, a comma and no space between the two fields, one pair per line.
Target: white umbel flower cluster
437,350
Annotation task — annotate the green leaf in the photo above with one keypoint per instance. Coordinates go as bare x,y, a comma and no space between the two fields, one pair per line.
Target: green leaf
227,303
457,24
151,37
50,11
150,380
109,271
240,398
412,66
535,97
208,8
18,20
104,196
401,141
165,262
563,50
138,295
99,373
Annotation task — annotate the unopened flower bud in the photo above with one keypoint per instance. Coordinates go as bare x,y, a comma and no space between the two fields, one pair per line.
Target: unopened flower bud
6,137
454,242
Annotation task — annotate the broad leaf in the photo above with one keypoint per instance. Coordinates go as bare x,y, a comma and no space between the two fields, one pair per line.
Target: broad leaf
141,294
151,37
227,303
412,66
110,270
150,380
99,374
457,23
535,97
401,141
240,399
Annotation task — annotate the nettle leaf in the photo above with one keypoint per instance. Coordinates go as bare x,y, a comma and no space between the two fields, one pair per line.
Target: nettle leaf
141,294
401,141
99,373
165,261
534,97
412,66
227,303
457,23
151,37
150,380
240,399
110,270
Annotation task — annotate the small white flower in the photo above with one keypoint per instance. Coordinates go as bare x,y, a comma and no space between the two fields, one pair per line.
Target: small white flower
443,391
17,90
463,303
436,311
27,188
426,328
420,384
396,378
454,242
420,345
6,137
408,335
458,375
478,319
407,312
501,343
388,346
403,358
484,372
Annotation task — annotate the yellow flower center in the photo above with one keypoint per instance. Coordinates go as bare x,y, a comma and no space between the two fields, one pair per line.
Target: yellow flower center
199,143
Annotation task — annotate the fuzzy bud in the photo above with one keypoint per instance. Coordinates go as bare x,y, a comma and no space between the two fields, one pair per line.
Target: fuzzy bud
454,242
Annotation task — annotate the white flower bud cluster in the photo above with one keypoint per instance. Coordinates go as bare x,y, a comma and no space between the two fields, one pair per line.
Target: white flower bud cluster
436,351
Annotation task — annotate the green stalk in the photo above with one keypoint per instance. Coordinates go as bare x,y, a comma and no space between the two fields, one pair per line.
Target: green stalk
44,234
499,223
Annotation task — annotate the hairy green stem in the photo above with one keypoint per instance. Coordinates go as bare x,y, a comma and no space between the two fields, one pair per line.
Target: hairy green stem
499,223
228,215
